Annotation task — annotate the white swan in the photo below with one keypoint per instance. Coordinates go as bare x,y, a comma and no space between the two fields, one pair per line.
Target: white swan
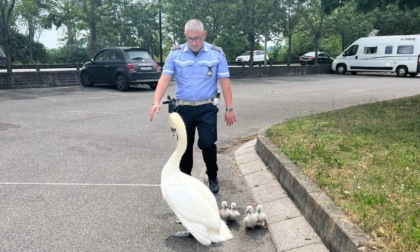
189,198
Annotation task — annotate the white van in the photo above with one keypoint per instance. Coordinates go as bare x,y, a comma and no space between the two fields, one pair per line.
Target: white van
398,54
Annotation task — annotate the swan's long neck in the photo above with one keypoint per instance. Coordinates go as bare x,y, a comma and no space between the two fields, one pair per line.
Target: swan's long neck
172,166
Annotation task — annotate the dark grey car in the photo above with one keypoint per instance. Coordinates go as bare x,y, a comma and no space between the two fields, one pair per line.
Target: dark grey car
309,59
121,66
2,58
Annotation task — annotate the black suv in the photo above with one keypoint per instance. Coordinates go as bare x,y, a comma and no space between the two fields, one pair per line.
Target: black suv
121,66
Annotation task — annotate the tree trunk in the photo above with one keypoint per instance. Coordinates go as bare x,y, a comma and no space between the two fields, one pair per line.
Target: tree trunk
251,40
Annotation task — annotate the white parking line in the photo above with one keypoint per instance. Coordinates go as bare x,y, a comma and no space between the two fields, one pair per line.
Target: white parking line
91,112
76,184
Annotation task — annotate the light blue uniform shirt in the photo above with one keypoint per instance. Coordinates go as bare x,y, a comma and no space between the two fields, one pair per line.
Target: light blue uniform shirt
196,76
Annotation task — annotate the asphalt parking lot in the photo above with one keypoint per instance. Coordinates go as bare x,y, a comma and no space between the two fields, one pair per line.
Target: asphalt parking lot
80,167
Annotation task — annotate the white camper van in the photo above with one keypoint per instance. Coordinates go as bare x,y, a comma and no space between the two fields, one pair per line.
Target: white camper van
397,54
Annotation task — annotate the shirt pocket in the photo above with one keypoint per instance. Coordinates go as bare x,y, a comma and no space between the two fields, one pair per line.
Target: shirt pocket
207,69
184,68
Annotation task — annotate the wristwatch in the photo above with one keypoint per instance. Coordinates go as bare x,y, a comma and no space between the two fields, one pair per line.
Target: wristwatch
229,109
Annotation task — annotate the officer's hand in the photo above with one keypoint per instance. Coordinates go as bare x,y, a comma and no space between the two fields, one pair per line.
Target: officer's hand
230,118
154,109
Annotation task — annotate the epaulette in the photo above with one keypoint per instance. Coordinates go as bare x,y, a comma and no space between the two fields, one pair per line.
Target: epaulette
216,48
176,47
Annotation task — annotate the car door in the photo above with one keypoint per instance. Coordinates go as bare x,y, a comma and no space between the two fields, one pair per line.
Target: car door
323,59
100,67
115,62
352,58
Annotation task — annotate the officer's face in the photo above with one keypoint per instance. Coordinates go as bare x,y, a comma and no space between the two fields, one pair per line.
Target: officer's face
195,39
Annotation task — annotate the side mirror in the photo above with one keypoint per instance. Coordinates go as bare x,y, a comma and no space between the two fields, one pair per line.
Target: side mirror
345,53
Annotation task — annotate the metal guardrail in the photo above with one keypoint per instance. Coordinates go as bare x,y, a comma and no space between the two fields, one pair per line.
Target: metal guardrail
38,67
77,66
233,63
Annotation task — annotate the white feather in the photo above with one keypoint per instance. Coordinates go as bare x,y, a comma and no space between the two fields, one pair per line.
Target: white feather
189,198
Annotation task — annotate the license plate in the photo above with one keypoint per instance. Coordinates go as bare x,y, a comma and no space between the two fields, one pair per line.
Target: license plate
146,68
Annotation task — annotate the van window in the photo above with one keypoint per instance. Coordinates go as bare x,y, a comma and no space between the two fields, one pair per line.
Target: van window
405,49
371,50
388,49
352,50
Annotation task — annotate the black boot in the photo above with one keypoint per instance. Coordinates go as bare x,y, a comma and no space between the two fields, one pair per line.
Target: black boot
214,185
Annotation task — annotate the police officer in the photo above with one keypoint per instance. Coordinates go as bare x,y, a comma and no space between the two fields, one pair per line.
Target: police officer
197,66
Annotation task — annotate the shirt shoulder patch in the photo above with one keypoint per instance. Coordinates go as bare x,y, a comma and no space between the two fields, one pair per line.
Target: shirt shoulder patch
216,48
176,47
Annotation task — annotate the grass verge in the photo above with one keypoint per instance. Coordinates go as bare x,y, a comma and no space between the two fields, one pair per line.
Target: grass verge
367,159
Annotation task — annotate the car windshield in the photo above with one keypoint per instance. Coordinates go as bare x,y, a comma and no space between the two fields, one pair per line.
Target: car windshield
246,54
138,54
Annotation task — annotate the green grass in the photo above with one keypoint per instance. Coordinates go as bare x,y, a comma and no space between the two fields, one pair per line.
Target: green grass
367,159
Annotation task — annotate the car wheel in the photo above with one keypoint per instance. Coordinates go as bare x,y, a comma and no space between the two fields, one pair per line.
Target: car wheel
413,74
153,86
85,79
341,69
402,71
122,82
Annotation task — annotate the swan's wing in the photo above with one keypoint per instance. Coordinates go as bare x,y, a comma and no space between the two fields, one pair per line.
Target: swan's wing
203,189
190,205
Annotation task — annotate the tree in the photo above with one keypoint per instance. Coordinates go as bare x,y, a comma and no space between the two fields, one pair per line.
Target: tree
6,20
314,16
92,12
64,14
29,12
255,18
144,19
291,11
349,24
394,21
212,13
367,6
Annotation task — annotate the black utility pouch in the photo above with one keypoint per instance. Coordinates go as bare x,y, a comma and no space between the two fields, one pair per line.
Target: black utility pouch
171,104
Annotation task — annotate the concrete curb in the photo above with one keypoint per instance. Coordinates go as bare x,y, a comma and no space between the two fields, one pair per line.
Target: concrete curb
335,229
288,228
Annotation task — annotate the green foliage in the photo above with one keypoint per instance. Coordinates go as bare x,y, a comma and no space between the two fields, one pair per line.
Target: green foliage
236,45
64,56
367,159
367,6
390,17
276,53
331,45
237,26
20,53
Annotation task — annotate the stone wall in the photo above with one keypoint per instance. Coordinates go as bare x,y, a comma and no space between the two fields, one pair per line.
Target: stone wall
72,77
247,72
39,79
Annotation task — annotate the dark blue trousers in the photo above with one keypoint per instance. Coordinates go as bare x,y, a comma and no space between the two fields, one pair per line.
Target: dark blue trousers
204,119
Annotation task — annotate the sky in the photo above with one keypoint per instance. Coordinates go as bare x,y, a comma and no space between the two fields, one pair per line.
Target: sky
50,38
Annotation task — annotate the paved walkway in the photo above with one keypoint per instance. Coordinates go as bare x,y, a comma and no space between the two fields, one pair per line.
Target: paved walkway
288,228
